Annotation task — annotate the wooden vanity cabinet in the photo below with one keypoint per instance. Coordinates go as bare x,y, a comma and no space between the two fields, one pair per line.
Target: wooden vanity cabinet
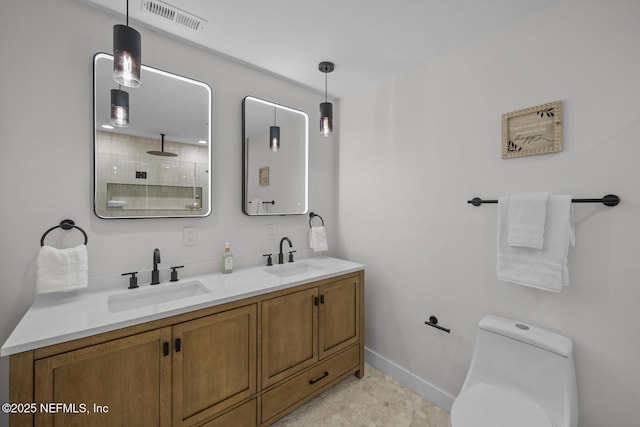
243,364
289,327
338,315
300,328
301,332
214,364
193,370
129,379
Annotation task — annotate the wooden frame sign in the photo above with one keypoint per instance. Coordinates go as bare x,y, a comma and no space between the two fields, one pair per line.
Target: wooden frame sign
535,130
263,176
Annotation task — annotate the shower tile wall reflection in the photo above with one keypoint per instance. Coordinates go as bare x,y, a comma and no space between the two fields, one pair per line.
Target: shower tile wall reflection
134,181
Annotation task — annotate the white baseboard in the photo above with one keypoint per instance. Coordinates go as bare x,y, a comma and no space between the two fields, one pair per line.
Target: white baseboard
425,389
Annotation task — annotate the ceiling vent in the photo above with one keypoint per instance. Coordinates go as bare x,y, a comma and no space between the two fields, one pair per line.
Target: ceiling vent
171,13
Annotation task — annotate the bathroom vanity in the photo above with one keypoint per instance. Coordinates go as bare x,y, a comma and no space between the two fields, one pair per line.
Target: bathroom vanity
244,350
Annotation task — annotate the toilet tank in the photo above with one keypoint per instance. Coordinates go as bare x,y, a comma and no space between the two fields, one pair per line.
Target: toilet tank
527,361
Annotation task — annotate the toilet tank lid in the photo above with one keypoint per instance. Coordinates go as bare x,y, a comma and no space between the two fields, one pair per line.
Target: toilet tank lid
529,334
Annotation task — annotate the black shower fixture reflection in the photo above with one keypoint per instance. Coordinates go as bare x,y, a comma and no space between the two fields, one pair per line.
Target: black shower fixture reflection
162,152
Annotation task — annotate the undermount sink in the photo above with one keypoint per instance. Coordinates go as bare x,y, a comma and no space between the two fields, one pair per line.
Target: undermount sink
291,269
138,298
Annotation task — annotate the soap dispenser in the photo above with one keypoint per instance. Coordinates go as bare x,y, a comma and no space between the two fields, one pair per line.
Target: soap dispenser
227,259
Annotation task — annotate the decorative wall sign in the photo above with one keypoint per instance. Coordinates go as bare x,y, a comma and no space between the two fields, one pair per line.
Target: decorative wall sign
263,176
535,130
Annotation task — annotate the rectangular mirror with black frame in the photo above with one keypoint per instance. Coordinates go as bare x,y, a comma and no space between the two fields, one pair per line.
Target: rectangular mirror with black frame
275,146
160,163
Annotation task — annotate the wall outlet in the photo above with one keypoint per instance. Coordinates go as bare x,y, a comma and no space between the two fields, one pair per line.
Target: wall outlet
271,232
189,236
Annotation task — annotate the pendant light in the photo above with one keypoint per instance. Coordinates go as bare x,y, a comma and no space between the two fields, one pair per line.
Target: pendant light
119,108
274,134
326,108
127,52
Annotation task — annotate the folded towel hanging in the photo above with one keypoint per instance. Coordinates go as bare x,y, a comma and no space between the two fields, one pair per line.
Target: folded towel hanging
317,235
318,239
544,268
62,269
527,213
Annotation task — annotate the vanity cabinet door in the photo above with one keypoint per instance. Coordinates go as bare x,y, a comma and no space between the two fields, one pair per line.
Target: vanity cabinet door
214,364
339,315
289,334
124,382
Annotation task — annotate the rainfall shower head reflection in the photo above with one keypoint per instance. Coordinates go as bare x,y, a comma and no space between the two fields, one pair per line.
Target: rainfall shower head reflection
162,152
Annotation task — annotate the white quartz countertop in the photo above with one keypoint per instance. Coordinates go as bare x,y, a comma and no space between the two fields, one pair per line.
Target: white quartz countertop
60,317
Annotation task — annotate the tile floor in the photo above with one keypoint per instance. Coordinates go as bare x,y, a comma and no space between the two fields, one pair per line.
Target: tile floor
376,400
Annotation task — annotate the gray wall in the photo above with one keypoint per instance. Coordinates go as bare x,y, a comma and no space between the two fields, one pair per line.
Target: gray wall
46,161
429,139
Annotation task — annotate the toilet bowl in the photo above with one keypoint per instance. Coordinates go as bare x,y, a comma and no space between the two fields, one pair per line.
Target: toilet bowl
520,376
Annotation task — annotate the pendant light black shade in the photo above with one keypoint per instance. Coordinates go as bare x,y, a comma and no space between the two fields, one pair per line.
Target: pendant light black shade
119,108
274,134
127,54
326,108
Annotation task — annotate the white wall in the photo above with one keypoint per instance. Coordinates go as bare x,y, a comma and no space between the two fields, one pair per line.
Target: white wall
46,160
413,151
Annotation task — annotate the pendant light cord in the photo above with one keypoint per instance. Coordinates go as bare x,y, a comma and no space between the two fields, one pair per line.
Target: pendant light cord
127,13
325,84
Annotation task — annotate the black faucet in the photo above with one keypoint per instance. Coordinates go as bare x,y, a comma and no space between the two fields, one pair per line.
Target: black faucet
155,274
281,255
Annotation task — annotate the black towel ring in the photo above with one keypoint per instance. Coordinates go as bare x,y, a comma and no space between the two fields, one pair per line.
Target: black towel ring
65,224
312,215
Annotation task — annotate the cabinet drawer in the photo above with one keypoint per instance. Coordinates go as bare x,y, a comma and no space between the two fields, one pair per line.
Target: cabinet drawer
243,416
297,388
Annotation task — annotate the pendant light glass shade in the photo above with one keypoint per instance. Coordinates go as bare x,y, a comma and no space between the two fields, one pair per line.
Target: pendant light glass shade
326,118
274,134
127,55
326,108
274,138
119,108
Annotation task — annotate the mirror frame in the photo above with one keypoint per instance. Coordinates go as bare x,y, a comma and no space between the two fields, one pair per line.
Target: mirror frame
245,158
146,70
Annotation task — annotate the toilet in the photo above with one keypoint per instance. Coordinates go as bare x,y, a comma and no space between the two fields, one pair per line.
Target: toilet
520,376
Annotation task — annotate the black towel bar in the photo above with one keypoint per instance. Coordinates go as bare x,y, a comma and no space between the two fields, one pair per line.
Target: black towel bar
65,224
608,200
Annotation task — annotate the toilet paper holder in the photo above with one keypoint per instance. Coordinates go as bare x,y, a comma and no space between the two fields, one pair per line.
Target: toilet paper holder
433,322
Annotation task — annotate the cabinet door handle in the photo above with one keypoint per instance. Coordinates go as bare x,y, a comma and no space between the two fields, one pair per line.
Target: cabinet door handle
178,345
321,299
165,348
325,375
315,300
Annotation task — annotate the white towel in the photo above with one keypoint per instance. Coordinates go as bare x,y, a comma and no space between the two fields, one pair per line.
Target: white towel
527,213
544,268
116,204
62,269
318,239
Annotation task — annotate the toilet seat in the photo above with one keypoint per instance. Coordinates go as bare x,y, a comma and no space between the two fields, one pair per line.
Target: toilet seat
483,405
